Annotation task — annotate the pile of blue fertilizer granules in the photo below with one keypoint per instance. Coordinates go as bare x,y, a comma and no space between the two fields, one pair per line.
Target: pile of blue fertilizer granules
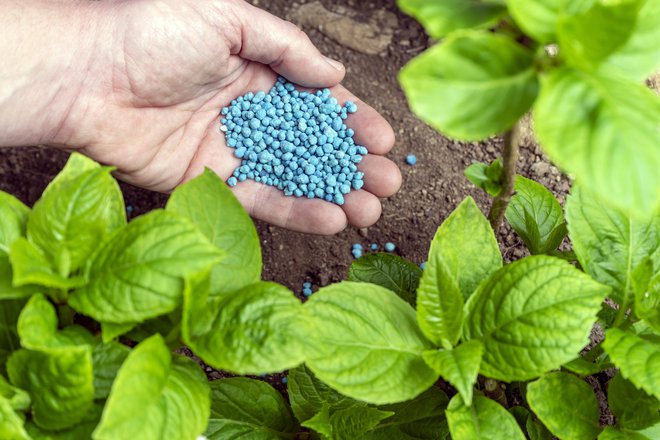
295,141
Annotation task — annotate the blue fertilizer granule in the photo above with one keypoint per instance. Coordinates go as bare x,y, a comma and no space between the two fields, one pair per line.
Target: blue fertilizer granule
295,141
411,159
389,247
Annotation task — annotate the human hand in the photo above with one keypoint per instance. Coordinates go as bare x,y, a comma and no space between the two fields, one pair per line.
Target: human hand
162,70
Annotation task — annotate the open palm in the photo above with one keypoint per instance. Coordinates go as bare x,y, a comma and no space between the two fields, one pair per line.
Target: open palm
174,65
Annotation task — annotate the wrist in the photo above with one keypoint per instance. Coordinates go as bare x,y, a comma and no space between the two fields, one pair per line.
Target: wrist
48,51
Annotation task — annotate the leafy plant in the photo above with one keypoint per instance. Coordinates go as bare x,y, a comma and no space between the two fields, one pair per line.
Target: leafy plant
577,65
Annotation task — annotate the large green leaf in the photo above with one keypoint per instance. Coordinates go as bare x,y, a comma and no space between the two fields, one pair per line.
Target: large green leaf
609,243
11,425
459,366
532,316
637,358
257,329
604,130
390,271
463,253
60,384
485,419
138,273
13,218
566,405
214,209
646,285
155,396
31,266
612,433
248,408
634,409
588,38
439,18
76,211
536,215
37,328
472,85
639,56
419,419
538,18
107,359
366,343
308,395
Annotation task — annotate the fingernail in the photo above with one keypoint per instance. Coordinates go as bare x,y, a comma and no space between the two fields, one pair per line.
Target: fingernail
334,63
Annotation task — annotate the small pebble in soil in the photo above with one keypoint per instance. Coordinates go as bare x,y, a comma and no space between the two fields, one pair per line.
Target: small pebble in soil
411,159
423,265
389,247
295,141
374,246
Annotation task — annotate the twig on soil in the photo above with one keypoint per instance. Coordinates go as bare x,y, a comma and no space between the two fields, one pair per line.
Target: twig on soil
509,161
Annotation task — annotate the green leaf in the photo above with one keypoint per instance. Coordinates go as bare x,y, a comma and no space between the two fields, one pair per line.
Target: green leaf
13,218
155,396
353,422
37,328
634,409
612,433
419,419
604,131
532,316
138,273
484,81
637,358
320,423
463,253
248,408
11,425
18,399
7,290
583,367
639,56
59,382
111,331
9,341
566,405
538,18
486,177
536,430
257,329
459,366
82,430
534,213
485,419
308,395
389,271
588,38
74,214
609,243
30,266
366,343
646,285
442,18
214,209
107,359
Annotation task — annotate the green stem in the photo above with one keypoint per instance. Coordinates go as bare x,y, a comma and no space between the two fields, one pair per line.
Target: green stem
509,161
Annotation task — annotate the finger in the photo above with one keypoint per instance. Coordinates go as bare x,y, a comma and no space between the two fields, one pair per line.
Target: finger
382,177
362,208
269,204
371,129
285,48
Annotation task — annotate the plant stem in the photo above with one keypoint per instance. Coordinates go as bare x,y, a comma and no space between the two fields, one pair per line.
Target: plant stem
509,161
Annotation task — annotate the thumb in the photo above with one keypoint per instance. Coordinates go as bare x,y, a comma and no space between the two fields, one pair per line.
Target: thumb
285,48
